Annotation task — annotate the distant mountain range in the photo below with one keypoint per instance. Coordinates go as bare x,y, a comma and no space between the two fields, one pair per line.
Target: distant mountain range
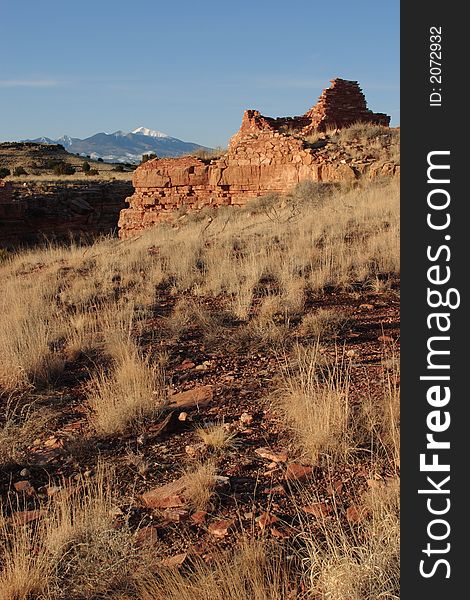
124,147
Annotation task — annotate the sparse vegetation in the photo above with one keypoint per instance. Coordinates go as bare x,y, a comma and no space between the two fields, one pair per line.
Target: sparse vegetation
209,154
4,172
148,156
276,308
18,171
216,437
63,168
318,408
200,485
130,393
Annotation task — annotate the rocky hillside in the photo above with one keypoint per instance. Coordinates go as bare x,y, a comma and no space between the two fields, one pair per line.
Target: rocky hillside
43,160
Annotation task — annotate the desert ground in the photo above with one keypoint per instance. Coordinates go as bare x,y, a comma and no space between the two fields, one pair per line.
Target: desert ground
209,410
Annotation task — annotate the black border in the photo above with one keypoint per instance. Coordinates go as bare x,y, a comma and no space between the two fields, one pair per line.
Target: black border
426,128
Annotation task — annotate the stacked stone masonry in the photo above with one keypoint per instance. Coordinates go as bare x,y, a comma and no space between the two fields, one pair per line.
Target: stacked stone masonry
33,211
262,157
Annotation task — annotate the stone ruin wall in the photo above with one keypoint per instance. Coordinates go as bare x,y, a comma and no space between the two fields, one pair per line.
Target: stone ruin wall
261,158
31,211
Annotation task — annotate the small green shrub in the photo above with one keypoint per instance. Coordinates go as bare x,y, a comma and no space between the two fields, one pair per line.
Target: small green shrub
17,171
86,167
63,168
148,156
4,172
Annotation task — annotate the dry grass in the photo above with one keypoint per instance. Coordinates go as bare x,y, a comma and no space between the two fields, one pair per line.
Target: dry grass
253,269
317,409
20,425
28,327
325,322
252,572
358,561
130,393
49,312
74,552
200,485
216,437
381,416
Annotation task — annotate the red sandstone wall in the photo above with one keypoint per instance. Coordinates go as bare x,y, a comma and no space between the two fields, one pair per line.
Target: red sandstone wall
261,158
57,209
262,163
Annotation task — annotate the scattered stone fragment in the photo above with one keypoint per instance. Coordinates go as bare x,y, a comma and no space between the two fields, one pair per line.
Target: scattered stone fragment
186,364
221,527
195,450
276,490
266,519
298,472
24,486
366,306
354,514
26,516
183,416
197,397
246,418
318,509
282,532
334,487
175,515
169,495
199,517
147,535
25,473
174,561
271,456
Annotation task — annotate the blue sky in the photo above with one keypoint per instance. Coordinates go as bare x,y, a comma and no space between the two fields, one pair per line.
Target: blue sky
184,67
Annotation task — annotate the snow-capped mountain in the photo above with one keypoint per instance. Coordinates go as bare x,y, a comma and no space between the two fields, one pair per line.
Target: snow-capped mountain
150,132
124,147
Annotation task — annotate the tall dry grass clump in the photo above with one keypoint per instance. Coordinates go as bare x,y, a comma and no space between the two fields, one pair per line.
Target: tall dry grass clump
380,416
28,328
252,572
132,390
356,561
317,407
199,485
74,549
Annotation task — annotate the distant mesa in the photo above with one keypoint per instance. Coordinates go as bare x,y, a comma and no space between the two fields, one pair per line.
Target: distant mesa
267,155
125,147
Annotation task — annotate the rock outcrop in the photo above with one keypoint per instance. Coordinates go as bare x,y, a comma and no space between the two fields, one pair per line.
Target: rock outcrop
266,155
32,211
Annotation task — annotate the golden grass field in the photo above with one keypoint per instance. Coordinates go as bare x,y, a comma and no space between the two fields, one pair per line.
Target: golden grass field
99,327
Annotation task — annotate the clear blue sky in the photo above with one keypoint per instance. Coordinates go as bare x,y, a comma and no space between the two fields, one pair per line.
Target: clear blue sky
188,68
